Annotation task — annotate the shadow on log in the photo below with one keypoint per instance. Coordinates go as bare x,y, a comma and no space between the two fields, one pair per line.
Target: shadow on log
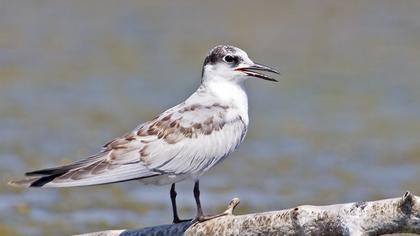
395,215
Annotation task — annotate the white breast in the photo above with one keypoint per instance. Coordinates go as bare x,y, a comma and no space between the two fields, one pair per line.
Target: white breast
232,94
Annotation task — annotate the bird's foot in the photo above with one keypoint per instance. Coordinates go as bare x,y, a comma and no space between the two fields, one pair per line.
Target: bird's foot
229,211
177,220
202,218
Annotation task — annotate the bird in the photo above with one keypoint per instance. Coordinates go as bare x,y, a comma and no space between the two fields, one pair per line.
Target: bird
182,143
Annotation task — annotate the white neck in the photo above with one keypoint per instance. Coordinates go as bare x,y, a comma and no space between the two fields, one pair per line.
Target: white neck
230,93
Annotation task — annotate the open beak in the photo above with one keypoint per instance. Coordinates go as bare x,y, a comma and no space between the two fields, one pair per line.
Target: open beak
254,71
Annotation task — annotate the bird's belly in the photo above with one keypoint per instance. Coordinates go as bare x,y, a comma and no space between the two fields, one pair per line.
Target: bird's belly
164,179
196,155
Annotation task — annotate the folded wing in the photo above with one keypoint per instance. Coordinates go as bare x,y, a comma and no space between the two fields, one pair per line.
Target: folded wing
184,140
192,140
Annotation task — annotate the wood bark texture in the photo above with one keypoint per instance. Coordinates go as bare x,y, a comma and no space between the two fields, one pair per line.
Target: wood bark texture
394,215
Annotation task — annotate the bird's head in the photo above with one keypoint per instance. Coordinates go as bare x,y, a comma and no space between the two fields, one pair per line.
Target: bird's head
232,64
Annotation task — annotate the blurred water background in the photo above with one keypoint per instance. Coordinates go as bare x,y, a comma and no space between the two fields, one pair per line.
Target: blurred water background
342,125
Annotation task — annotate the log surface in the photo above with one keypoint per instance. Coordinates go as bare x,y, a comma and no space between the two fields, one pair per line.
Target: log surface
394,215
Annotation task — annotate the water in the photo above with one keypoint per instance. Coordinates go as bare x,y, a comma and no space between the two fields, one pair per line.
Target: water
342,125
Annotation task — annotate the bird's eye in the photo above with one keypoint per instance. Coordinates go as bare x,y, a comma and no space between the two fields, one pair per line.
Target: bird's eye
229,59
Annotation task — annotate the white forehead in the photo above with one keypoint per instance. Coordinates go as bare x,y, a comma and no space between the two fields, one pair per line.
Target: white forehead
242,54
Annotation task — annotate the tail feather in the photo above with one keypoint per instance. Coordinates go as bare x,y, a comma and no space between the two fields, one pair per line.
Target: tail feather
92,171
63,169
34,181
50,171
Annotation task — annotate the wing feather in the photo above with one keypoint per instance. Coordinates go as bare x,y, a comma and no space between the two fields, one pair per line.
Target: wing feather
187,139
199,144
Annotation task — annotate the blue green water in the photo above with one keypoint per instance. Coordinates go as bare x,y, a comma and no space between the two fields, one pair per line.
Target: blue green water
343,123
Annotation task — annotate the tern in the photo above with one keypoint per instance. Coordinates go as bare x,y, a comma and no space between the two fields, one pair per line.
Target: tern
182,143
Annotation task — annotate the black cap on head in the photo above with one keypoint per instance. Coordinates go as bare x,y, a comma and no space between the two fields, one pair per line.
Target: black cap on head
238,60
222,54
217,54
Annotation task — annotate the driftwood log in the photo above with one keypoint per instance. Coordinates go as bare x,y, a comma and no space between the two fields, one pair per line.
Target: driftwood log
395,215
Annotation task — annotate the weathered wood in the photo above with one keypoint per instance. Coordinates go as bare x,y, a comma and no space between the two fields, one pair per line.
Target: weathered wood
395,215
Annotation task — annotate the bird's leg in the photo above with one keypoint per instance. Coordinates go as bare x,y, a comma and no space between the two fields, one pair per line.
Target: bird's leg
174,209
197,200
200,215
173,200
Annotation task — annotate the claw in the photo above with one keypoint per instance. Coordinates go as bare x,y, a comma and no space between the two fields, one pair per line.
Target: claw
177,221
229,211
